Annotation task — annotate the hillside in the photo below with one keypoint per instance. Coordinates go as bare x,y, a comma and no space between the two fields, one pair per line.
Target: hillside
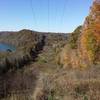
35,54
28,44
83,49
90,38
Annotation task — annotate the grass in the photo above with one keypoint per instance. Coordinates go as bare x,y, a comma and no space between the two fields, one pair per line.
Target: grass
48,80
63,86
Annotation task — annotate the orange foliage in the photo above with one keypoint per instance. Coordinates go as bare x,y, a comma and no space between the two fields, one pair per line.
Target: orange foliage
90,44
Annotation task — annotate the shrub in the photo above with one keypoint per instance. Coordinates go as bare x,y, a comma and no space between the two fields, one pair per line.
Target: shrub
85,98
74,38
92,46
81,89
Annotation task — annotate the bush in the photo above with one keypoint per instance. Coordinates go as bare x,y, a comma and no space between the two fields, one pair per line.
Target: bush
74,38
92,46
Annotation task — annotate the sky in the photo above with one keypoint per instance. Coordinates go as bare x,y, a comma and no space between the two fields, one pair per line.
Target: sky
43,15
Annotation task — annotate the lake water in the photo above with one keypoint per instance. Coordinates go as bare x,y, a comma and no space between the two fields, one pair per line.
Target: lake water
6,47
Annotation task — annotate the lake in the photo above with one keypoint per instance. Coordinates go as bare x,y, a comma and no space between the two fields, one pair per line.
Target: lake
6,47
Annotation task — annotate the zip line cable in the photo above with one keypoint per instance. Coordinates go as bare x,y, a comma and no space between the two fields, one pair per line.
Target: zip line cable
48,15
63,12
62,16
56,15
33,12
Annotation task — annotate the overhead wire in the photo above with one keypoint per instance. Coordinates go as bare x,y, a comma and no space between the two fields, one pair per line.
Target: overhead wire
33,13
48,15
56,16
62,16
63,13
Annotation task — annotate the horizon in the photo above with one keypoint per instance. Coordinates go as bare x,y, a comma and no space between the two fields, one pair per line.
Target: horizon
32,31
59,16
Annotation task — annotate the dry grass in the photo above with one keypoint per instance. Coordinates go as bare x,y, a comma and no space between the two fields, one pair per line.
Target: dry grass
63,85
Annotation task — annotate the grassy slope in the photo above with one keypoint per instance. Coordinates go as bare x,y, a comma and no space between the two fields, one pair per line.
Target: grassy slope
45,79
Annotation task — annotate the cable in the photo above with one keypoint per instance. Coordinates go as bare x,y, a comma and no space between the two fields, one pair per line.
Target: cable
63,12
56,15
33,12
48,15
